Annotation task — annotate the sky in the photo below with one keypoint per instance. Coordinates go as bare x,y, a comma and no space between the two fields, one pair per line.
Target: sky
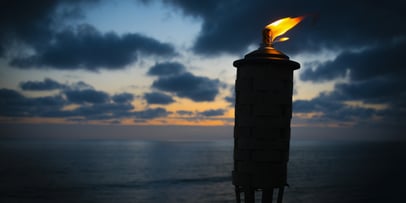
156,63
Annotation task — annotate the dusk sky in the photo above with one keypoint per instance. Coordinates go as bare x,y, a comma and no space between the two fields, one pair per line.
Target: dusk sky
129,64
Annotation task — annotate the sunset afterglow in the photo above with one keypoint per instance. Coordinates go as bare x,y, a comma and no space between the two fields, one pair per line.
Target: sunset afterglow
168,63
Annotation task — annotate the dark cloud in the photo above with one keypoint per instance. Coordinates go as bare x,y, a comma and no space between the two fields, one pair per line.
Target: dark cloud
231,98
80,86
93,105
13,104
101,112
379,61
232,25
166,69
123,98
324,102
378,90
47,84
375,77
51,84
152,113
28,21
104,111
213,112
174,78
31,22
228,33
86,96
87,48
158,98
40,27
189,86
90,105
332,111
184,112
333,107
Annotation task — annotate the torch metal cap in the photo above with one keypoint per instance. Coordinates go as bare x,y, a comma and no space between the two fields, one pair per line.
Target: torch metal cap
267,55
266,51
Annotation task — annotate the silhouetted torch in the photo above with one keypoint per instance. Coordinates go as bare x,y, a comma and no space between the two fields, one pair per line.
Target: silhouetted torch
263,111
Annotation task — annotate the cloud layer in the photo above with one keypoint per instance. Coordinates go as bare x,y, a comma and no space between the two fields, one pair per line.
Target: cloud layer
173,78
158,98
78,102
67,47
232,25
374,77
47,84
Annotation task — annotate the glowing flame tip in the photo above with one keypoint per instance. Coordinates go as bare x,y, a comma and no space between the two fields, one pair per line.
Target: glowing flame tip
278,28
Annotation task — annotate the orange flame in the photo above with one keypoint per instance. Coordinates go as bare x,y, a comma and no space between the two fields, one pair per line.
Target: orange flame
278,28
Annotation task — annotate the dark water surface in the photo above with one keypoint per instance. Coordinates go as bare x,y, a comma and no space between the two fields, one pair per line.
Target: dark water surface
151,171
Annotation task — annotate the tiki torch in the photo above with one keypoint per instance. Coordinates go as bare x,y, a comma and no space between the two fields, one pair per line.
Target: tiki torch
263,111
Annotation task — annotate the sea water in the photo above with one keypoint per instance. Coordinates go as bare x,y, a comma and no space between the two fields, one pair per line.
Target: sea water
118,171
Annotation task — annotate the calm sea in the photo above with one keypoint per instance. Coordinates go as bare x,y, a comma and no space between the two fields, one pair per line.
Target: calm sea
151,171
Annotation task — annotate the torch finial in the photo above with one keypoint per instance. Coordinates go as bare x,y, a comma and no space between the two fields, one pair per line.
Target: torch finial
267,37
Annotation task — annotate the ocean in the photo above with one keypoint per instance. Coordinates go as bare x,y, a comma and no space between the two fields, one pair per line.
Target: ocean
121,171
